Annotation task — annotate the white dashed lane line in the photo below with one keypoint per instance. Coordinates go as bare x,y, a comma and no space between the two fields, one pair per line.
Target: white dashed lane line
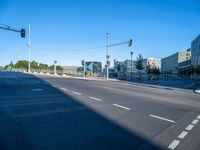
195,121
161,118
96,99
173,144
182,135
189,127
120,106
77,93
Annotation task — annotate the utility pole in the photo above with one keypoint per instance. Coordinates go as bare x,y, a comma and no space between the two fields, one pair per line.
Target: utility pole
131,65
29,49
107,56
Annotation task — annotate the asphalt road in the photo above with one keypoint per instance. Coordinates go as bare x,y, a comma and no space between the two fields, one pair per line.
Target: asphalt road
62,113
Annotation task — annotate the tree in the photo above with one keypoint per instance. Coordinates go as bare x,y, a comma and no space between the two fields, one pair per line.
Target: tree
139,65
148,69
21,64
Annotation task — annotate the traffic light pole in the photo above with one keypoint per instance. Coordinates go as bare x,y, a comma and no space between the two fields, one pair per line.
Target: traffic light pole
108,56
22,31
29,49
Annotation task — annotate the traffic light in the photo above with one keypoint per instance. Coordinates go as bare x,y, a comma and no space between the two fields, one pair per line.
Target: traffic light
130,42
23,33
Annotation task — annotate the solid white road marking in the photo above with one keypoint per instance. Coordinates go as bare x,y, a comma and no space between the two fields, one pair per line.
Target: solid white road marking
183,134
122,106
198,117
94,98
162,118
173,144
77,93
195,121
189,127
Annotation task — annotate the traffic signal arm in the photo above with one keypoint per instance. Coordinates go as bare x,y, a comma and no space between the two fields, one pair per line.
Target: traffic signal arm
22,31
129,43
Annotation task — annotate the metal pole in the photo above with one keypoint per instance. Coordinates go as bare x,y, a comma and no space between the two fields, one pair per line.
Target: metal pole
29,49
54,69
107,56
131,65
84,69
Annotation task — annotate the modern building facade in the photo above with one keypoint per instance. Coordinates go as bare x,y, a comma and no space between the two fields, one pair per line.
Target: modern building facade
153,62
94,67
70,69
195,51
123,69
169,65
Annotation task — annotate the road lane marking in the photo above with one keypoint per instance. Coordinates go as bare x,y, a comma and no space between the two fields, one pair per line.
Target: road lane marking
64,89
162,118
122,106
173,144
77,93
195,121
198,117
189,127
94,98
182,135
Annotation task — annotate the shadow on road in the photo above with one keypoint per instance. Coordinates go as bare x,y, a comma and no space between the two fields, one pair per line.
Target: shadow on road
50,119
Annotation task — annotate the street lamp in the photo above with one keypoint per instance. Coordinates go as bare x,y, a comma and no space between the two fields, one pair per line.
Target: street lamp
107,56
55,62
131,65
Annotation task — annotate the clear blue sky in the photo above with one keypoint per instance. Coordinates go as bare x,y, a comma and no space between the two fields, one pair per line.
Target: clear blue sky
63,30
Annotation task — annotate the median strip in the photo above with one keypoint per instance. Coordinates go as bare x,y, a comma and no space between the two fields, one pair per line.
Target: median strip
161,118
77,93
96,99
120,106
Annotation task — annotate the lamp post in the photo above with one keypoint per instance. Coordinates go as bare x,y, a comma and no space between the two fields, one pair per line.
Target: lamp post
131,65
107,56
55,62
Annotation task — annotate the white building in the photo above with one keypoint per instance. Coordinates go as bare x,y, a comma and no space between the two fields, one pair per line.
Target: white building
153,62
